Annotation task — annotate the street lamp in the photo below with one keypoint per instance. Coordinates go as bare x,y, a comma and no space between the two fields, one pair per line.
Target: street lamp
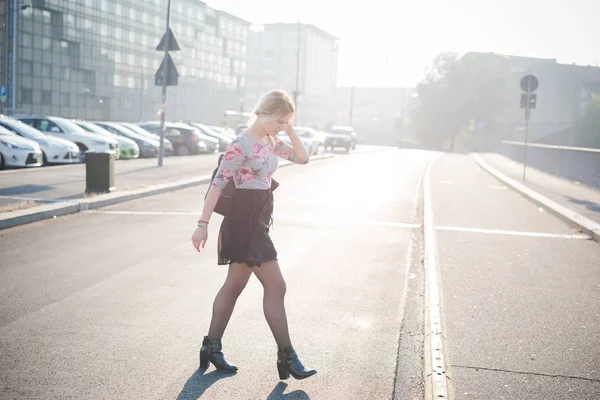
88,91
15,46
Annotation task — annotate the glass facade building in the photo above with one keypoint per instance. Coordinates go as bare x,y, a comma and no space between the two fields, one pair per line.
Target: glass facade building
96,59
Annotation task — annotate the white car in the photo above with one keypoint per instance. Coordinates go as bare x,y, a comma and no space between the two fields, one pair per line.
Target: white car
65,129
308,136
16,151
54,150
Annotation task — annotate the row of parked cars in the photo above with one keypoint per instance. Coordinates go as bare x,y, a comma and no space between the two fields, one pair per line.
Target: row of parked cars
32,141
337,137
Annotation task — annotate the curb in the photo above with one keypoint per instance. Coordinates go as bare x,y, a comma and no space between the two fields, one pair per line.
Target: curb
586,225
39,213
437,371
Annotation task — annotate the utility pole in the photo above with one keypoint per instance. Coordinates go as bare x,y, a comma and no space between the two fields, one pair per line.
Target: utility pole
351,104
296,92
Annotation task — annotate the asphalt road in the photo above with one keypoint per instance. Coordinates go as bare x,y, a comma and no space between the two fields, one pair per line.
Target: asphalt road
521,291
113,304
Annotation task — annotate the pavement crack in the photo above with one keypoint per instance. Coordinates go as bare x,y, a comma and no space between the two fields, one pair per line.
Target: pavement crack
526,373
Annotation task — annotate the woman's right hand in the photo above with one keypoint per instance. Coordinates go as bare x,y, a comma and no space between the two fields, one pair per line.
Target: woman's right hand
199,238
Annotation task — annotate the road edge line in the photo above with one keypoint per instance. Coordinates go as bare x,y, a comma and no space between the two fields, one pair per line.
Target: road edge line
21,217
438,381
583,223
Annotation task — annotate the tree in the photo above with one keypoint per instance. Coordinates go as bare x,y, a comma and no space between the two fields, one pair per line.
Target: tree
457,91
587,127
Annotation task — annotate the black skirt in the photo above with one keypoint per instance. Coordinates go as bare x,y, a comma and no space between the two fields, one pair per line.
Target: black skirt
244,235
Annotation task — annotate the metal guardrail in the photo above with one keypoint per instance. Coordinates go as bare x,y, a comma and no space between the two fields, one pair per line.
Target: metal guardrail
579,164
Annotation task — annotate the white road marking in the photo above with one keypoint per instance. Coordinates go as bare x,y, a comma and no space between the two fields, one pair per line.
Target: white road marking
512,233
346,221
437,379
323,221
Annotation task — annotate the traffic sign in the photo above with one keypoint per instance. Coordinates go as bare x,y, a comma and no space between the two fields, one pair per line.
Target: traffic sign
173,45
529,83
3,94
173,75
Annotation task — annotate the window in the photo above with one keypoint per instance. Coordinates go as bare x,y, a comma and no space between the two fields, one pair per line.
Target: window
26,97
46,43
26,68
64,99
26,40
46,70
46,97
65,73
46,126
46,17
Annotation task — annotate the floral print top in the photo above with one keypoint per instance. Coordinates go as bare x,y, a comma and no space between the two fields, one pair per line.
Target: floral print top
251,164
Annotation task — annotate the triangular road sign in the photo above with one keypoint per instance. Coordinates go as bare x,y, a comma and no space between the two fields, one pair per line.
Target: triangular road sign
173,45
173,75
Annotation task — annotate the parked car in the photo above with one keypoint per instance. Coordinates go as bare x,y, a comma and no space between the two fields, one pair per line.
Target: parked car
148,147
65,129
240,129
341,136
185,138
308,136
223,139
16,151
320,139
54,150
128,149
230,133
141,131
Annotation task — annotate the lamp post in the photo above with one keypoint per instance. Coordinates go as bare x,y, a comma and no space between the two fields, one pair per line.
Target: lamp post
296,92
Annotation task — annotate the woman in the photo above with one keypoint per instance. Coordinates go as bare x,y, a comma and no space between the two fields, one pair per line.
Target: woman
244,243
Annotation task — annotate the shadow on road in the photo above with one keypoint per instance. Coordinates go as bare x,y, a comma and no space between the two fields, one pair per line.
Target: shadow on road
277,393
587,204
197,384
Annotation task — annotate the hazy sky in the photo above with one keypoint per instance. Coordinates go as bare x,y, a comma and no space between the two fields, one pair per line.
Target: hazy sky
390,42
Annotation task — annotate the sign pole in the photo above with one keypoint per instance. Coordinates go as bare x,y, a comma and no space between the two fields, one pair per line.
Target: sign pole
529,85
527,115
163,103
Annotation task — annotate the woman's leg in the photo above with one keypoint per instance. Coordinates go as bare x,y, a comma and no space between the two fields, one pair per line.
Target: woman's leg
274,286
236,281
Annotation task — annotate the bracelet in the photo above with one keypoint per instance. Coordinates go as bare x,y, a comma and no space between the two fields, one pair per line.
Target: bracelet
201,225
204,222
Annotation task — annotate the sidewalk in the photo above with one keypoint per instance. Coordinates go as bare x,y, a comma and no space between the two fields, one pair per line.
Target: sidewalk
574,196
20,189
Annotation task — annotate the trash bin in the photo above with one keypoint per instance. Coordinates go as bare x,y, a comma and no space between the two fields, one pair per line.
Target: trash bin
99,171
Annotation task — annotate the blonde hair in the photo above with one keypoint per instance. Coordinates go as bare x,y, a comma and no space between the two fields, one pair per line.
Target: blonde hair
273,105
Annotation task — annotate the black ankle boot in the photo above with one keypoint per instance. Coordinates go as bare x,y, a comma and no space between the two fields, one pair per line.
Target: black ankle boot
289,364
211,352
